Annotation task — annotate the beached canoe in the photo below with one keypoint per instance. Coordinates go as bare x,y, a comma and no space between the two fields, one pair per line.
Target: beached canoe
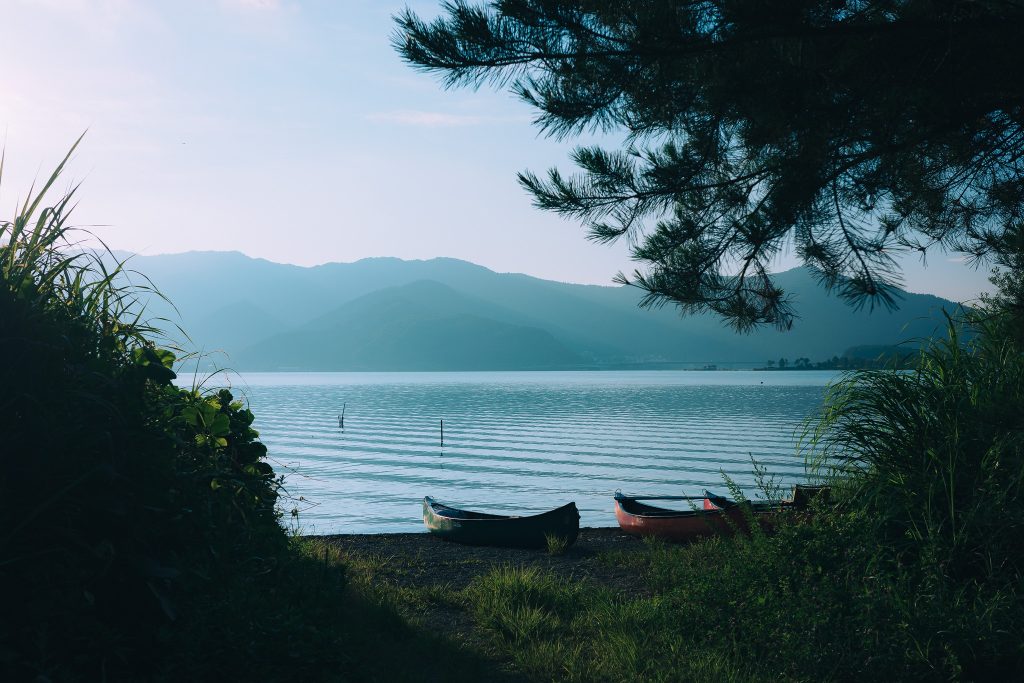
799,499
640,519
480,528
716,502
717,517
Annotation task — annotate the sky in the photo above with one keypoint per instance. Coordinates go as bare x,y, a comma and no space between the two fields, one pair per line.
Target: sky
291,131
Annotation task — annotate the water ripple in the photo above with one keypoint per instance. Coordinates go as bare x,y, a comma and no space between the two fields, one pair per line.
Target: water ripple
521,442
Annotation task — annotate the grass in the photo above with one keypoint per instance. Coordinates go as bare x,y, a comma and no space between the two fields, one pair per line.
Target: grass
910,570
807,603
934,462
556,544
316,619
579,631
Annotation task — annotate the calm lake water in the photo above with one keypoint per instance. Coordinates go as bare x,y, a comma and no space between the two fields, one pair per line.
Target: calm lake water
520,441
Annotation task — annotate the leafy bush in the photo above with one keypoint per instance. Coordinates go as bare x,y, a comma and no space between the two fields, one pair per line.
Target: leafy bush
143,541
129,496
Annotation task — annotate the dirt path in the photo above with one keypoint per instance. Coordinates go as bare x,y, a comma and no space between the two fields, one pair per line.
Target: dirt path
424,574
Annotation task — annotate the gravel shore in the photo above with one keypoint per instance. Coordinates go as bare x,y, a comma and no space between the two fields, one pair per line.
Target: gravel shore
421,560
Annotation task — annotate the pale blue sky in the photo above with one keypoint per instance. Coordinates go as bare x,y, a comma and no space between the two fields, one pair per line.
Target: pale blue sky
289,131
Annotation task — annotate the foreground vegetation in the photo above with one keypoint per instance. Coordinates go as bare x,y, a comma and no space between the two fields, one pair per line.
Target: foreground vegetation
145,540
821,599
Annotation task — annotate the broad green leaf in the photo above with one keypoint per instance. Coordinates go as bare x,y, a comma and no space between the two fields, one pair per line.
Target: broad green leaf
220,425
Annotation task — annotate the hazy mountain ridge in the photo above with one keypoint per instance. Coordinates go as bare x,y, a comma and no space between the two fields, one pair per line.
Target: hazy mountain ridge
421,326
446,314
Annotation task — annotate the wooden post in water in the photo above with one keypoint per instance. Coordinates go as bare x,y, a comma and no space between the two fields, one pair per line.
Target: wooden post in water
442,433
341,418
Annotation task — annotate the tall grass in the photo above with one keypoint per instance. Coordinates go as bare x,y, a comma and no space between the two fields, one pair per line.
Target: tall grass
41,265
937,455
110,471
142,540
933,460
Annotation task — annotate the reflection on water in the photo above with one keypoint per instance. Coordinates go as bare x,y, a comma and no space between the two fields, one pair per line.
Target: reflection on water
520,441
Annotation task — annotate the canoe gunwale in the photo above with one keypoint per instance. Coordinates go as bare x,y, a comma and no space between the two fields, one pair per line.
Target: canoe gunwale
639,519
636,509
473,528
488,517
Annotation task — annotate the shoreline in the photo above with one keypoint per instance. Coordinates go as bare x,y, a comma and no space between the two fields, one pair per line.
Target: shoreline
389,534
422,560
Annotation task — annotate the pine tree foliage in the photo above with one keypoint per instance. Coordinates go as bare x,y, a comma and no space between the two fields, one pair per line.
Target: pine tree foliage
848,131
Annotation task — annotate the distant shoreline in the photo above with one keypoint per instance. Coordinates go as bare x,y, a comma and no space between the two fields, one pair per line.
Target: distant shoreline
718,368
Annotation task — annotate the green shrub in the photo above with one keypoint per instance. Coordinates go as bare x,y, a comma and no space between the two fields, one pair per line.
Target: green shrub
129,497
933,461
143,540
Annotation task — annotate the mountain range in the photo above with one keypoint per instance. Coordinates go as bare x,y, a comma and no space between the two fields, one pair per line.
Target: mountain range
445,314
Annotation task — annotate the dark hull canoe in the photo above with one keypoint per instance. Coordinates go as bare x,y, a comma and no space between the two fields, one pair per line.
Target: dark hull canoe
800,499
480,528
682,526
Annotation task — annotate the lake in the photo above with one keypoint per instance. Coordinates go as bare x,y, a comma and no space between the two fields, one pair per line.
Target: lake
520,441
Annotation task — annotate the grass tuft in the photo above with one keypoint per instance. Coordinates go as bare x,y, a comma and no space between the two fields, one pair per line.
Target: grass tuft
556,544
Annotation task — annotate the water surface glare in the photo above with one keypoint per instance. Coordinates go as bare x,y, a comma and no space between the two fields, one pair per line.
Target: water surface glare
520,442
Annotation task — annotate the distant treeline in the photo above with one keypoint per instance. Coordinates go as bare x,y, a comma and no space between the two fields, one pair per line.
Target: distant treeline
855,358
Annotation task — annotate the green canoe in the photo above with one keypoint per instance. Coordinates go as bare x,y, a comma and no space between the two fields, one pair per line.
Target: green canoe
480,528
